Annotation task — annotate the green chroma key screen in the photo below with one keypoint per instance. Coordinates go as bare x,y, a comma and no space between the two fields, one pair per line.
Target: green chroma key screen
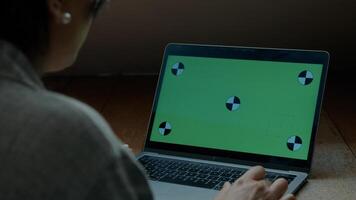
250,106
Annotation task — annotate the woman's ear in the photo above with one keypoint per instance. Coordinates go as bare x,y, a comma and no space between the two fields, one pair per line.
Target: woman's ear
57,12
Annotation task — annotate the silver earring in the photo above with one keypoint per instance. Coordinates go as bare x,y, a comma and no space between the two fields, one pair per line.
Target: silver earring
67,18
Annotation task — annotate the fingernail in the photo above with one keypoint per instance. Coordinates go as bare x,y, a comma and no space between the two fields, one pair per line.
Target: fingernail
226,185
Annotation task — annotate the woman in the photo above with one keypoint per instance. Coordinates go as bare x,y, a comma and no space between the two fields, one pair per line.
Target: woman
52,146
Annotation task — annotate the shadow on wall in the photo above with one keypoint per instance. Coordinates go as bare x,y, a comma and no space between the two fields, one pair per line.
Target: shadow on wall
130,36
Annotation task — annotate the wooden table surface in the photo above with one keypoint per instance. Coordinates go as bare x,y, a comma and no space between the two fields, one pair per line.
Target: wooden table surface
126,103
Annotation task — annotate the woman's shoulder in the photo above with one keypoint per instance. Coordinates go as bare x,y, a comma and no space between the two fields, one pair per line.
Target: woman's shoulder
70,110
77,116
60,119
53,140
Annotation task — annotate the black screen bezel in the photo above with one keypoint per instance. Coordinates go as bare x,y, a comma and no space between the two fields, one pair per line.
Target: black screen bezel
247,53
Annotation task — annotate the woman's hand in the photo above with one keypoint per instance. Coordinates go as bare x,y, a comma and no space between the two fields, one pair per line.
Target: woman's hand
252,186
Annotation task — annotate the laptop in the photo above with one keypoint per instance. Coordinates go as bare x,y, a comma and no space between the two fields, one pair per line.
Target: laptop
220,110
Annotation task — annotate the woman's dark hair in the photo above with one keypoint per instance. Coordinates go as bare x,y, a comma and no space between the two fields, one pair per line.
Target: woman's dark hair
25,24
97,5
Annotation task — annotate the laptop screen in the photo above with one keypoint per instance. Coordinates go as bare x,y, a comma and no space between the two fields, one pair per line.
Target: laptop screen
249,106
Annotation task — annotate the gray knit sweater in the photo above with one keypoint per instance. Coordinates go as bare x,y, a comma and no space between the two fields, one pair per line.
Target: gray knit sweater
54,147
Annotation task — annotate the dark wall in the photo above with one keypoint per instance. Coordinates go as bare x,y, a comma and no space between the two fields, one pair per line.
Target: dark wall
129,37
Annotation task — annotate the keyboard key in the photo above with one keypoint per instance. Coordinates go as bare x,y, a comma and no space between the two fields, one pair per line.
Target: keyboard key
204,171
193,170
225,170
184,168
157,175
232,180
172,167
226,174
214,168
213,177
219,186
192,174
192,179
170,176
170,171
201,182
215,173
202,176
214,182
235,176
181,178
238,171
224,179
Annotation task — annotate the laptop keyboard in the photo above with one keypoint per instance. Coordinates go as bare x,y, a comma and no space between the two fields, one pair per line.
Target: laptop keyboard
196,174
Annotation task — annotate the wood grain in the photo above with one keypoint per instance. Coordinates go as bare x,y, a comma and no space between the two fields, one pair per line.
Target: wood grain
94,91
340,104
333,173
128,110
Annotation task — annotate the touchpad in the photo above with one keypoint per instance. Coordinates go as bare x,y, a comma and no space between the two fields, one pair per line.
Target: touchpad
164,191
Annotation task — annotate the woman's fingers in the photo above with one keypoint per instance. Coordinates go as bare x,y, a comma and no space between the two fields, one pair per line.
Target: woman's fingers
252,184
288,197
221,195
226,187
255,173
278,188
